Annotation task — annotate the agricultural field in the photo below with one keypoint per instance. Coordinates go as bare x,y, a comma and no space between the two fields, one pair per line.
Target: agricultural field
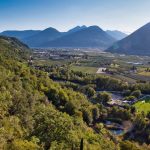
130,69
85,69
49,62
145,73
143,105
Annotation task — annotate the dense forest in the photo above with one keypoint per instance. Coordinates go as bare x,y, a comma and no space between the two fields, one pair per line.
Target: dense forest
39,113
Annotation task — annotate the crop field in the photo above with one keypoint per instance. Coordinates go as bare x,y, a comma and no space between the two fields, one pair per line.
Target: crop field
85,69
143,105
50,62
127,68
145,73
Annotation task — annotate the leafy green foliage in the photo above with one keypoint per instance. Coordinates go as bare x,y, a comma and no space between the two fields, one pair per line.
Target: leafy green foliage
103,97
37,113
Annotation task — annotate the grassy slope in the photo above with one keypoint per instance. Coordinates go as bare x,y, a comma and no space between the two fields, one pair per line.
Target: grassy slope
143,105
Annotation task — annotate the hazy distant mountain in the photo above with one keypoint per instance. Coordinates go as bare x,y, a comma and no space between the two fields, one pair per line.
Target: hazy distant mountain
138,43
80,36
117,34
77,28
92,36
42,37
20,34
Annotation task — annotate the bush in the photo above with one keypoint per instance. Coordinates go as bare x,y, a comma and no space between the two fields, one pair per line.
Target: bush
136,93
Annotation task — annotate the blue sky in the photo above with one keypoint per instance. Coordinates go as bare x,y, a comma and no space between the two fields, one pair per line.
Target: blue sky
124,15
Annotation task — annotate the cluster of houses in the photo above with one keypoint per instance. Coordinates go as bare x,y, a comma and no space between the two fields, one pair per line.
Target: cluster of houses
55,54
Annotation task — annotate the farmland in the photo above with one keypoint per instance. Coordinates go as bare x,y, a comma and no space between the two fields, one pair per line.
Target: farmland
85,69
143,105
113,82
130,69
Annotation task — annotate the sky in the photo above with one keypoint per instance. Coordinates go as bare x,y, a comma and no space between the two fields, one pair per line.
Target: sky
123,15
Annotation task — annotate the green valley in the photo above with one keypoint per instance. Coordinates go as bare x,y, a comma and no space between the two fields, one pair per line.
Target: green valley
39,113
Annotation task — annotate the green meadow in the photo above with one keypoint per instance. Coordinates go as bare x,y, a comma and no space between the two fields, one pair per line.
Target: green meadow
143,105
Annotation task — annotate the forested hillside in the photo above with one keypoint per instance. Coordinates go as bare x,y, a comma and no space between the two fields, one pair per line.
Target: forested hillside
28,119
37,113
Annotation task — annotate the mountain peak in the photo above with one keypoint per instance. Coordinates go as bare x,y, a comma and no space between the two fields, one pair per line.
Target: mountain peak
43,36
50,29
95,27
77,28
92,36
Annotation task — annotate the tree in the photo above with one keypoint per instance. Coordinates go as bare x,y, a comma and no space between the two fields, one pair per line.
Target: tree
87,117
140,123
133,109
90,91
23,145
126,93
81,144
148,115
103,97
136,93
95,113
52,125
87,90
127,145
70,108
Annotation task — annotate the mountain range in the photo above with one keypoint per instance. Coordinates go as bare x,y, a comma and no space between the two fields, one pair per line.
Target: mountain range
20,34
92,36
137,43
79,36
117,34
46,35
